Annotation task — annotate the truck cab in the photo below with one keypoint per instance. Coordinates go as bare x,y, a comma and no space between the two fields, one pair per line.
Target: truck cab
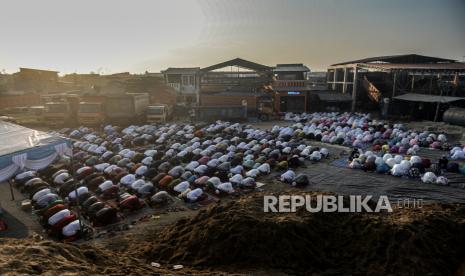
60,109
91,113
158,113
56,113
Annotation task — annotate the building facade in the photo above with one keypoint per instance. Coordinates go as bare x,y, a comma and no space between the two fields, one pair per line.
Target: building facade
376,82
239,81
185,81
291,86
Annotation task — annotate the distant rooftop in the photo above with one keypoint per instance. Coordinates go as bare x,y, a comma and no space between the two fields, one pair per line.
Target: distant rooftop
36,70
240,63
455,66
403,59
292,67
184,70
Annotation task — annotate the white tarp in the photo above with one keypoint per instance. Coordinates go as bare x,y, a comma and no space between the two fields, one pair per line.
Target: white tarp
25,148
15,138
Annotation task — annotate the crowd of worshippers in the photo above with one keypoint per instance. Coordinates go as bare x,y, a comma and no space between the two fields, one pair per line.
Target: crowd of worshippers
155,163
413,166
52,197
360,131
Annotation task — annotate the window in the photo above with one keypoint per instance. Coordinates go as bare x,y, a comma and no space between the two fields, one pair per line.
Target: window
185,80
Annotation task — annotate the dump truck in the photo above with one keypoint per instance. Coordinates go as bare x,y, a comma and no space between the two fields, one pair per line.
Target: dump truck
159,113
213,113
91,113
129,108
61,110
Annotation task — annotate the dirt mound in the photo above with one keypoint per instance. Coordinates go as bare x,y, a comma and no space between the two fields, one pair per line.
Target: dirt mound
239,235
28,257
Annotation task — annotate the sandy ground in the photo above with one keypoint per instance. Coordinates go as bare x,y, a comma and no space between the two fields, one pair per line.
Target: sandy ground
21,224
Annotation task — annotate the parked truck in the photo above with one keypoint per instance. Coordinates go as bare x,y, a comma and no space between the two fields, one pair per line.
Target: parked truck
60,110
127,108
213,113
91,113
159,113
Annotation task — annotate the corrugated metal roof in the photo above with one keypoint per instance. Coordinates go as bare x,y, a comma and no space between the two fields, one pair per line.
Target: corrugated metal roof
416,66
238,62
291,68
409,58
189,70
415,97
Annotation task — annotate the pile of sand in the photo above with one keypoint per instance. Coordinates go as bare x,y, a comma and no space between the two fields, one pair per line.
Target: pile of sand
29,257
239,235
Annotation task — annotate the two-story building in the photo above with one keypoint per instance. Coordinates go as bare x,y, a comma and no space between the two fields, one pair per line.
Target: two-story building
36,81
186,82
239,81
290,83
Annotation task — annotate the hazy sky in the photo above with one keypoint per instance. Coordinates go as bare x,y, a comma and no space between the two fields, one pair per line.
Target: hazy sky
137,35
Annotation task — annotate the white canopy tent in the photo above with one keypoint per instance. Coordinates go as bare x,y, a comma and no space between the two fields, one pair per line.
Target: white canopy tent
24,148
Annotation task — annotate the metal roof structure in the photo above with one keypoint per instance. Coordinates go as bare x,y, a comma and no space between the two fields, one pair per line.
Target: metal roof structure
240,63
299,67
415,97
187,70
456,66
403,59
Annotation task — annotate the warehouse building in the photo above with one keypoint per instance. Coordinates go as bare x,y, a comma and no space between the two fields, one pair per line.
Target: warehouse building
397,84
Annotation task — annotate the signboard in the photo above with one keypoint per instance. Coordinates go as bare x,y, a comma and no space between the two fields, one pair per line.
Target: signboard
293,93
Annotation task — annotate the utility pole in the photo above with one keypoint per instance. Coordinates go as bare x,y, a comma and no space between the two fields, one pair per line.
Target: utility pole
441,88
354,89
